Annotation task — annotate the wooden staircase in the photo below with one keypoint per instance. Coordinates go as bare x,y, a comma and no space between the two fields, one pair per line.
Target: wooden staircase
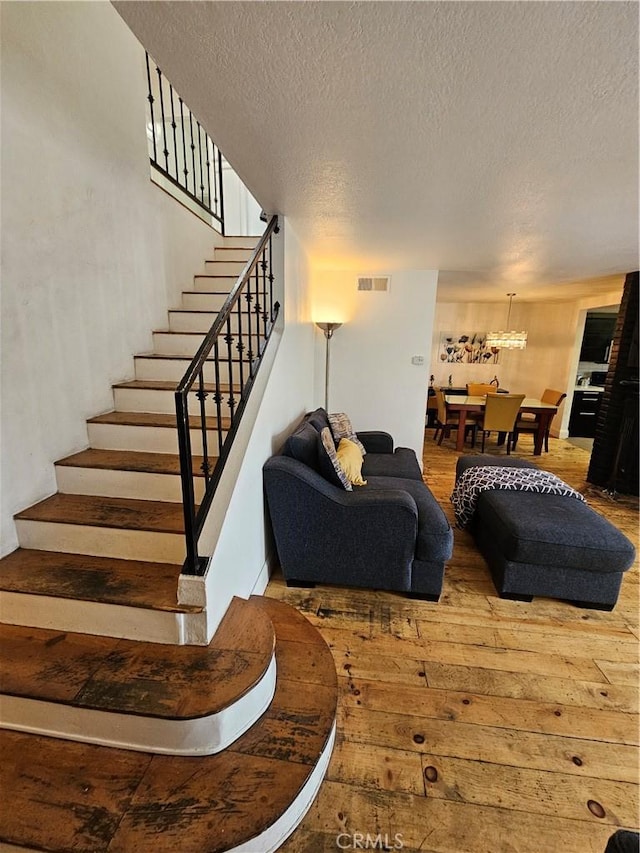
116,733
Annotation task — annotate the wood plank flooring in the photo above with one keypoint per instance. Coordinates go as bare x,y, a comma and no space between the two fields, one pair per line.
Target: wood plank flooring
478,725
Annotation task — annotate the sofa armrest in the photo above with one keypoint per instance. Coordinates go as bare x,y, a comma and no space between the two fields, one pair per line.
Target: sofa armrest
375,441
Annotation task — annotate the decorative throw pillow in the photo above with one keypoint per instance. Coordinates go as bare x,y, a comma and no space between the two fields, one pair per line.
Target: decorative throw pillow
328,464
341,428
303,445
350,458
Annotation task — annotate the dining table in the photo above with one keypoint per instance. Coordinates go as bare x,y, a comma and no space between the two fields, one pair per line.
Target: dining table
543,412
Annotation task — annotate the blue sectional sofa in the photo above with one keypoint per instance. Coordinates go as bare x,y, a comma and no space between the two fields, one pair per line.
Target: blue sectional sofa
389,534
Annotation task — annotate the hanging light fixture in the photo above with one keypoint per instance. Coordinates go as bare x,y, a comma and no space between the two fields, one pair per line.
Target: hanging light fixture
507,340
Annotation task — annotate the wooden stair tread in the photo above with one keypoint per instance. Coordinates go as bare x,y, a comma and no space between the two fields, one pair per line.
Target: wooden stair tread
131,583
98,511
223,292
131,460
226,290
155,419
187,358
163,385
132,677
63,795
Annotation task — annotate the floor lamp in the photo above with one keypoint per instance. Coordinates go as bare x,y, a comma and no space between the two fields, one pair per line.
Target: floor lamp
328,329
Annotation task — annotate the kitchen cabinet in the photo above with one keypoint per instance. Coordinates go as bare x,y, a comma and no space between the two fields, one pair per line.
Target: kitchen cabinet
584,413
598,334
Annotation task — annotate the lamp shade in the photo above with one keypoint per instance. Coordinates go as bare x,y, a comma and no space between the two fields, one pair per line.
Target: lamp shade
328,328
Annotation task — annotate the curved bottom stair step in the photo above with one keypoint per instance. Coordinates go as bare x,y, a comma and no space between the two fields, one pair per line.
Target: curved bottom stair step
61,795
182,700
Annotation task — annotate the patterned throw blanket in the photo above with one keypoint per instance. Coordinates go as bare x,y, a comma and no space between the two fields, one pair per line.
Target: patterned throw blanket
483,478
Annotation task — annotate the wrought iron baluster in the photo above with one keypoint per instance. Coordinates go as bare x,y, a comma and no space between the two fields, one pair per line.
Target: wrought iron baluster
193,154
217,395
184,146
192,564
229,339
174,125
165,150
215,152
249,300
208,152
271,279
257,308
240,346
200,161
151,99
202,395
220,208
265,313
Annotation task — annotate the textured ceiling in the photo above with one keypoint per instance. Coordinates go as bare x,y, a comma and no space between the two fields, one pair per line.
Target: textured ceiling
494,141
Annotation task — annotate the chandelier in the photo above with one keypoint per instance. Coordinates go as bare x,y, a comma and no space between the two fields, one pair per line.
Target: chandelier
507,340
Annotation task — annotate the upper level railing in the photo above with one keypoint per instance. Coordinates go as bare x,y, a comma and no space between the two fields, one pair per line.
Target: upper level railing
179,147
223,372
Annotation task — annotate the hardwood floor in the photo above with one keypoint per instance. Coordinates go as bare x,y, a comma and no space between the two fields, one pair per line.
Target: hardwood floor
478,725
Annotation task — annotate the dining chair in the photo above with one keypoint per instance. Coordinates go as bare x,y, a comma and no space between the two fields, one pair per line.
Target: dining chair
446,421
500,414
479,389
529,423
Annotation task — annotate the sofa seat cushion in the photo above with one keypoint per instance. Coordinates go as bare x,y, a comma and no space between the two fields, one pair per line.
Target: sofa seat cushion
435,536
552,530
402,463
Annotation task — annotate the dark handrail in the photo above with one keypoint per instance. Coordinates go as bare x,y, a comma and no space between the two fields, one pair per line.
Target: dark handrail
221,330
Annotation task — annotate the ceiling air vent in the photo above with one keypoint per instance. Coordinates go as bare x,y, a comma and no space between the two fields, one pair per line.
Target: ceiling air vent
370,283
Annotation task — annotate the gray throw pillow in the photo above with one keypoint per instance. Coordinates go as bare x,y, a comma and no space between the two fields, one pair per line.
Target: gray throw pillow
341,428
328,464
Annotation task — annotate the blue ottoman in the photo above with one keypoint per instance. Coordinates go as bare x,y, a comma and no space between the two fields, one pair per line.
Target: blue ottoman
547,545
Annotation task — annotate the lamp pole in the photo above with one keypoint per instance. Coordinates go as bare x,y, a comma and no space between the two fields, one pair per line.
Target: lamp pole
328,329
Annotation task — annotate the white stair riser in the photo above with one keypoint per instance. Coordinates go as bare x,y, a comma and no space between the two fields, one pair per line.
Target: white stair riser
233,268
147,439
110,483
165,343
172,370
236,240
163,402
228,253
192,300
105,620
202,321
218,284
145,545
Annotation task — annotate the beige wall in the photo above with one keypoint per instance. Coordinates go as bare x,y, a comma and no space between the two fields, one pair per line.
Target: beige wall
549,361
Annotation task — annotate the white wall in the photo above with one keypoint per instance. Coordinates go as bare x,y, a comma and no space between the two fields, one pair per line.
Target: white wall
372,378
241,210
93,253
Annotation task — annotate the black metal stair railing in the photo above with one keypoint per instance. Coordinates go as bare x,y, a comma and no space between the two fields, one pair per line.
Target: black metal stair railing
244,324
180,148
